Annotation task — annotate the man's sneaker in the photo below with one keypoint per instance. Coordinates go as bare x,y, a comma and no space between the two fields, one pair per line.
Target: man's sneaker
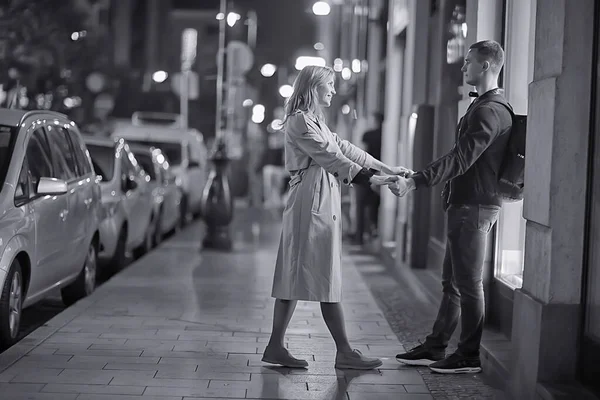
421,355
457,364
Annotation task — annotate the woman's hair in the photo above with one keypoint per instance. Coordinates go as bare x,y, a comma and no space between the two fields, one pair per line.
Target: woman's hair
305,97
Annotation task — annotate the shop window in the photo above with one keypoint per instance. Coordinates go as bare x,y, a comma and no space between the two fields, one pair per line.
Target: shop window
518,73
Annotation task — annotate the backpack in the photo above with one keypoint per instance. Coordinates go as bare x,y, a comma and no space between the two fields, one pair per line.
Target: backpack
511,176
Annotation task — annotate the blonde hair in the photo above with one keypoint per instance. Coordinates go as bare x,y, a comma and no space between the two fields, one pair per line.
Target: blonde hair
305,97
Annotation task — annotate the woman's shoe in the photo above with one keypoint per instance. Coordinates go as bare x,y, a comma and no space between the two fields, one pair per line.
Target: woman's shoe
355,360
283,357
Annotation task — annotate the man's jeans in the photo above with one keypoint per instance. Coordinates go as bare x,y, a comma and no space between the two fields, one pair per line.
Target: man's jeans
462,278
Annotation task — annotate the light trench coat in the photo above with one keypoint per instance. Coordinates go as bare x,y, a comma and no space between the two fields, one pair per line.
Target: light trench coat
309,258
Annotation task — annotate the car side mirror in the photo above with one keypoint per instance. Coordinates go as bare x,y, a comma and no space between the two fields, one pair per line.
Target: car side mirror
51,187
131,184
128,183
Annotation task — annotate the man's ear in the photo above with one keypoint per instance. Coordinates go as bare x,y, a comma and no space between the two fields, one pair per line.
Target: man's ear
486,65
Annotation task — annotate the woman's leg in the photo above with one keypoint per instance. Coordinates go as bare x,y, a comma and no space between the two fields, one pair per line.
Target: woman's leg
275,352
282,314
346,358
333,314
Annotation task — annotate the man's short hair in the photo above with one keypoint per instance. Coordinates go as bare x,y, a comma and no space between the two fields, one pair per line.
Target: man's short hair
491,51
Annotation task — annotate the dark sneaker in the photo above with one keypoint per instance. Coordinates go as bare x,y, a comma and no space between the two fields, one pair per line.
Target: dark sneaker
421,355
457,364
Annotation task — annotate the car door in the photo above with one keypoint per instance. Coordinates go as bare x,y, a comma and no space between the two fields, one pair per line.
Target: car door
50,215
65,168
133,198
195,175
172,196
82,192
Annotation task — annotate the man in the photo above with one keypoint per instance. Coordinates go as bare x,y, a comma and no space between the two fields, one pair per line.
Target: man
368,199
472,204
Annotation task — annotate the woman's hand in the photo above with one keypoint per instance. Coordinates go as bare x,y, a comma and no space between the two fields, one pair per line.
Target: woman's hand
380,180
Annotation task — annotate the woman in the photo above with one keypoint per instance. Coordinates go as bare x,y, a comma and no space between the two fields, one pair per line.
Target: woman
309,258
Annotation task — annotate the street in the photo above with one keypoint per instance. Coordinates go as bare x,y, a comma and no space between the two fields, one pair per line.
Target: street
188,323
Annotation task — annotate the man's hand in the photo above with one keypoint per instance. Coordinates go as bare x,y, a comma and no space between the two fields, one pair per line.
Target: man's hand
402,186
399,170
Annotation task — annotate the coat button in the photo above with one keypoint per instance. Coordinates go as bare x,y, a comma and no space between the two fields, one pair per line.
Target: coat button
331,184
335,174
334,217
345,180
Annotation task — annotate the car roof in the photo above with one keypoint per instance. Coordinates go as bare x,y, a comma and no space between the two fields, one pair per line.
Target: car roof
153,133
11,117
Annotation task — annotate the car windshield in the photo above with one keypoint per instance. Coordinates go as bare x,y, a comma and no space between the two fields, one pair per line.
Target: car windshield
145,161
8,135
103,158
171,150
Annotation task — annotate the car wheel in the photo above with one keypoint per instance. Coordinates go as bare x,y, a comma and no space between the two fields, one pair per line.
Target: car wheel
184,214
157,230
119,259
11,306
146,246
85,284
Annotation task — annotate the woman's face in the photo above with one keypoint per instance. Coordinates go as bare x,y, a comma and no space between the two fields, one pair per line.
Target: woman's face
325,92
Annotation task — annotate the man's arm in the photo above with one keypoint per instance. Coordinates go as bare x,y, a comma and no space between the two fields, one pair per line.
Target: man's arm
484,127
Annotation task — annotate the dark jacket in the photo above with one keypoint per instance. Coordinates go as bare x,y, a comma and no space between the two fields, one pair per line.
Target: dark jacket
471,167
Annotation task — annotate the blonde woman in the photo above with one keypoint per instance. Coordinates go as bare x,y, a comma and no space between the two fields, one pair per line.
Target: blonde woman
309,258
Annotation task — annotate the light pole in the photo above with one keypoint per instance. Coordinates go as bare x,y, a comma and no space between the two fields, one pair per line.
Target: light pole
217,202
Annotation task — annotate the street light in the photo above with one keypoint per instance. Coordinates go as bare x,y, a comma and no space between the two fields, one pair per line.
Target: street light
286,91
232,18
160,76
268,70
217,201
304,61
321,8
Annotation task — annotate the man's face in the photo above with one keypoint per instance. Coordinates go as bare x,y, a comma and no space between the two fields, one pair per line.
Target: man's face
473,69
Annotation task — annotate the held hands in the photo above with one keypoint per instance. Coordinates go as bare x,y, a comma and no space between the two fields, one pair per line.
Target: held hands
402,186
380,180
399,170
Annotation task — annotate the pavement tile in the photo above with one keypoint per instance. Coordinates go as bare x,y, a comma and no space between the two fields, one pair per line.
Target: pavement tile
94,389
195,392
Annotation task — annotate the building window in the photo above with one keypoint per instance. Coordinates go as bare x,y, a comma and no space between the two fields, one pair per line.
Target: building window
518,73
510,245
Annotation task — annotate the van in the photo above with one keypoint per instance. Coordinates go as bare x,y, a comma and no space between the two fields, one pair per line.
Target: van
184,149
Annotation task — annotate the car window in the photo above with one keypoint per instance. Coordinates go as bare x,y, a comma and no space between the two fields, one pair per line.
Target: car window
8,136
145,161
62,155
23,190
173,151
81,159
103,159
38,149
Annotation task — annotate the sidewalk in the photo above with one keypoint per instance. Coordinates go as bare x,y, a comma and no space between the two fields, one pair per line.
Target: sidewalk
184,324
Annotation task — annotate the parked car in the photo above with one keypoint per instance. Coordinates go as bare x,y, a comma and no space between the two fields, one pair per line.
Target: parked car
185,149
165,192
128,221
50,202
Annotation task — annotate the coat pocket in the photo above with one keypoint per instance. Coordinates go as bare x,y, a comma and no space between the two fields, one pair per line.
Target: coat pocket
316,200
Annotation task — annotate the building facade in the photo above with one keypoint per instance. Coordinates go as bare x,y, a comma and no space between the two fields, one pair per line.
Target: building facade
542,275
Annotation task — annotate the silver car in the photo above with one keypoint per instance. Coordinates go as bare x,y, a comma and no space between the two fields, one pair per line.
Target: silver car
165,192
129,220
50,202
